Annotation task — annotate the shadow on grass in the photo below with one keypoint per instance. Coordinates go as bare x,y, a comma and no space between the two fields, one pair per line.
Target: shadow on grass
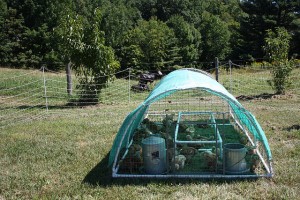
255,97
55,107
100,175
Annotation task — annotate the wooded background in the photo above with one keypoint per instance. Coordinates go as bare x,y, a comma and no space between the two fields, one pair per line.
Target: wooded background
142,34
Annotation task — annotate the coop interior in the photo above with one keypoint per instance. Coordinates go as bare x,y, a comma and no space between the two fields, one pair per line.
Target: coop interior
191,133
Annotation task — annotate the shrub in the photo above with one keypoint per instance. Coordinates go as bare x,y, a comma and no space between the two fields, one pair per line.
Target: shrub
277,48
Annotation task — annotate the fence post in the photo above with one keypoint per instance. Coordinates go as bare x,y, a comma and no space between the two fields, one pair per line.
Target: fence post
217,68
129,72
45,88
69,78
230,64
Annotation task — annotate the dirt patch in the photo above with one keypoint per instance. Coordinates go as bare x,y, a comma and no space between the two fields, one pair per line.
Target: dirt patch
293,127
265,96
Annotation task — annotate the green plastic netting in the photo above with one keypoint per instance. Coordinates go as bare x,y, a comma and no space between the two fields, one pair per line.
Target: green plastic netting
181,80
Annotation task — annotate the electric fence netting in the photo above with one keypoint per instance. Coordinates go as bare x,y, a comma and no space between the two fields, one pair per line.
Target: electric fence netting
248,82
39,94
21,97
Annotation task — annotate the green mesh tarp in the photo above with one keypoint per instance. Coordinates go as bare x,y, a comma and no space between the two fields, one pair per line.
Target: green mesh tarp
181,80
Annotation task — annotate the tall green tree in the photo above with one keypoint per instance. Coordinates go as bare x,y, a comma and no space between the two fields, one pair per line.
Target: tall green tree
12,39
262,15
3,35
216,37
94,62
231,13
3,11
189,39
152,45
164,9
117,21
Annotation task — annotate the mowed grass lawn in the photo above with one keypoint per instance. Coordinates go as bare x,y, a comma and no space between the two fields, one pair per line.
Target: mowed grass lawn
65,157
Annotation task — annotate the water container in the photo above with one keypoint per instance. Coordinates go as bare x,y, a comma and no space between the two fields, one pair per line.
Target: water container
234,155
154,155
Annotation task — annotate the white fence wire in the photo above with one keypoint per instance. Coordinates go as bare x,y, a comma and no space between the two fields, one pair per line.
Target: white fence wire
36,94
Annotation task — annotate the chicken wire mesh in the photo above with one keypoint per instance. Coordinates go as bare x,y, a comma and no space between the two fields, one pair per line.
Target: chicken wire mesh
192,133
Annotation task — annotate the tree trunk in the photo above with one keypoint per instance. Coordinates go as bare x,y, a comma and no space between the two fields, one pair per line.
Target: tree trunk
217,68
69,78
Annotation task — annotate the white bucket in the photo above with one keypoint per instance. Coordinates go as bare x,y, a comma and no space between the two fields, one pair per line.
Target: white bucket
154,155
234,155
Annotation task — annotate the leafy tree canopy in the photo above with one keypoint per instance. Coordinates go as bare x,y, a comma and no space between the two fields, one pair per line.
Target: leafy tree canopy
216,37
150,46
189,39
